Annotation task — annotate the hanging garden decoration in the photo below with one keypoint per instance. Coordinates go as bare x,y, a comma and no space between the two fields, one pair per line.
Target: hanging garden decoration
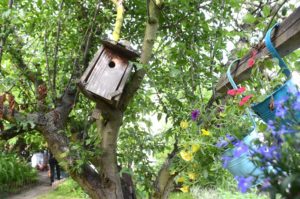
277,104
238,159
107,73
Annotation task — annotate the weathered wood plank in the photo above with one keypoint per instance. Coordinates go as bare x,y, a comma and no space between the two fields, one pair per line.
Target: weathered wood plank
123,82
286,39
92,63
105,80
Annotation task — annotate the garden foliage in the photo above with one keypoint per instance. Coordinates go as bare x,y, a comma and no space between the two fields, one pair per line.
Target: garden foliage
15,173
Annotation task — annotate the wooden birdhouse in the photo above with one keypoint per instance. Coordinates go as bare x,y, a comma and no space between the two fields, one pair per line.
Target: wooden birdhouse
107,73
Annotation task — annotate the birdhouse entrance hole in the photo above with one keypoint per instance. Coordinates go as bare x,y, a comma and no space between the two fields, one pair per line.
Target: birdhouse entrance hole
112,64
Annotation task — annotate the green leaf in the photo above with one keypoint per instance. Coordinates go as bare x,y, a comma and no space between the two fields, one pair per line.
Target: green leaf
159,115
205,173
266,10
249,18
262,127
284,11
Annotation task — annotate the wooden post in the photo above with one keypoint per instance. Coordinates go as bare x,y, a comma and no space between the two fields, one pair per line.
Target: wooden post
286,39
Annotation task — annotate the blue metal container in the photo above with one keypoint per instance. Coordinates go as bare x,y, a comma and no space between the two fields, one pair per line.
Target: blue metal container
266,113
265,109
242,165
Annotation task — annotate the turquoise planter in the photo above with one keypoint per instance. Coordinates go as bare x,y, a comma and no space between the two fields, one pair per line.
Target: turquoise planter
264,109
243,166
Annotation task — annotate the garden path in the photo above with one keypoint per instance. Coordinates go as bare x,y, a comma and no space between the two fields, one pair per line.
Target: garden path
40,188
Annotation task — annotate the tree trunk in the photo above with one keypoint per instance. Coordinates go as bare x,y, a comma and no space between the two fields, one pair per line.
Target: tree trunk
108,161
163,184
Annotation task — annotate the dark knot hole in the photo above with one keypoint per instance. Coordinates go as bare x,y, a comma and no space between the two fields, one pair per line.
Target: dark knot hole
111,64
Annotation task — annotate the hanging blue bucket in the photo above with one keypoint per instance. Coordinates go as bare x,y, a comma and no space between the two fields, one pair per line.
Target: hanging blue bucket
242,165
265,109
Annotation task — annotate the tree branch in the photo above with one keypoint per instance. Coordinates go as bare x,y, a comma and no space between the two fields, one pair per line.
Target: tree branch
12,132
131,88
150,32
164,180
149,38
19,117
59,23
119,19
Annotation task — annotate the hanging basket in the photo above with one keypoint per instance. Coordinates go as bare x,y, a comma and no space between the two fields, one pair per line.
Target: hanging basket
265,109
243,165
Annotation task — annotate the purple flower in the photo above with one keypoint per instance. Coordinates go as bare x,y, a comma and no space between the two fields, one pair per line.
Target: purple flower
244,183
296,105
230,138
266,184
271,126
195,114
297,96
281,101
282,130
269,153
222,143
280,111
292,90
225,160
278,139
240,148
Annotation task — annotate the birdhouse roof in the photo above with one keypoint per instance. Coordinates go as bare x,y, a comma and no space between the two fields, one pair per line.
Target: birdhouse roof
124,50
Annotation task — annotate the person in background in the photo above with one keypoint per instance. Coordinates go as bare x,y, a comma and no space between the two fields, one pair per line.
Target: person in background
53,165
38,161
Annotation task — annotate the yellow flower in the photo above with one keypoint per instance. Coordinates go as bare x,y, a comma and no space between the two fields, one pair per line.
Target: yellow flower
205,132
184,189
192,176
184,124
195,148
180,179
187,156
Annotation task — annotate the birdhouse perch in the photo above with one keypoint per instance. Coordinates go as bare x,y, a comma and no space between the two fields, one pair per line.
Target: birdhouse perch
107,73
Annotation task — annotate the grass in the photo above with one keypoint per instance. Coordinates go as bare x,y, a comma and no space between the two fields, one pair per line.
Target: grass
67,190
71,190
181,196
198,193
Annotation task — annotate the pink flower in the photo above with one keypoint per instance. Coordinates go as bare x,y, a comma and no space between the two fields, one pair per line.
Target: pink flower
240,90
232,92
245,99
251,62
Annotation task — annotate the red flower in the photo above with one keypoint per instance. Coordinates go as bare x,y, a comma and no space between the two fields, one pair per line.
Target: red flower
251,62
245,99
232,92
240,90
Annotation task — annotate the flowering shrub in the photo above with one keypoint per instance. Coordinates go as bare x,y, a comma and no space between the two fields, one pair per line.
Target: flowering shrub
203,135
276,153
279,151
197,162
